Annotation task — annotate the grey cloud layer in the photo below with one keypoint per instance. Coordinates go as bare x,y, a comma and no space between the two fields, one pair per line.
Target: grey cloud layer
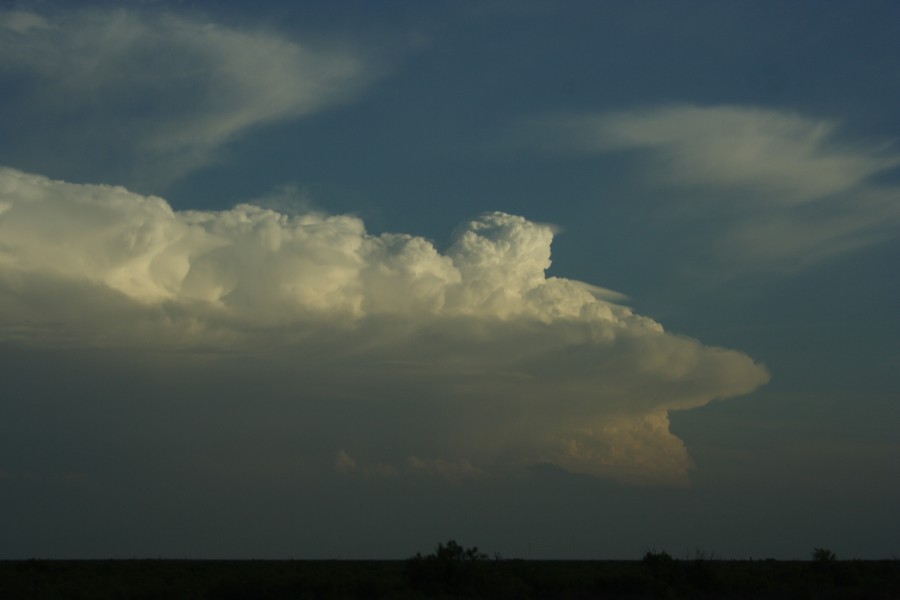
501,365
169,89
788,191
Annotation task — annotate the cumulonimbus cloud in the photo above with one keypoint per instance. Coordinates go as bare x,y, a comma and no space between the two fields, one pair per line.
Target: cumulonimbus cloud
496,364
163,89
786,189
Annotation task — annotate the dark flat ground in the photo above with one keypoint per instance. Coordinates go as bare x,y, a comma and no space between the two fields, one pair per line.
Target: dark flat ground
102,579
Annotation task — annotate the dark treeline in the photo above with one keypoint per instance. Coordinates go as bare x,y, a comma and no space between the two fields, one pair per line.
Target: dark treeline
451,572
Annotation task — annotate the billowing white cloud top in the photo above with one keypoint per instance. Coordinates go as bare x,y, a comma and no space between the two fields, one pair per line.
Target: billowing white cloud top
499,364
166,89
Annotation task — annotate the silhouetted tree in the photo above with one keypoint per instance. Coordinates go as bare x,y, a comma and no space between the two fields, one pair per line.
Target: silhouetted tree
655,559
451,568
823,555
663,570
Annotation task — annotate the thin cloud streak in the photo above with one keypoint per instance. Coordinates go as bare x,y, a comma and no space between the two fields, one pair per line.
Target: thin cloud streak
788,191
498,365
168,89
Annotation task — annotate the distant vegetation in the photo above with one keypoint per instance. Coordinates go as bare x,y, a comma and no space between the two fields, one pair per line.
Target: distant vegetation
450,569
453,571
822,555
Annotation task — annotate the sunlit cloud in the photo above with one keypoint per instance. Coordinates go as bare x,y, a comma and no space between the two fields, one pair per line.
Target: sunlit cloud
476,361
166,90
20,21
786,189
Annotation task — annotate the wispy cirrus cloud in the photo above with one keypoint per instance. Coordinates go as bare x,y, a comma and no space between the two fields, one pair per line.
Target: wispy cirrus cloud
473,360
787,190
163,90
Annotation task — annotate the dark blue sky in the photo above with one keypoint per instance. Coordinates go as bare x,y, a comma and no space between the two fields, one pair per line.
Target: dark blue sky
228,381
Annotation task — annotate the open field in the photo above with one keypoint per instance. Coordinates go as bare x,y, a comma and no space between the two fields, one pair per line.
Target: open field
200,579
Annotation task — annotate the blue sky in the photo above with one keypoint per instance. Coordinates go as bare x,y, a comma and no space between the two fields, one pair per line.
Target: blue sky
278,281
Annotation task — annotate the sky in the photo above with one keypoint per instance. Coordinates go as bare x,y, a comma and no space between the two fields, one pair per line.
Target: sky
349,279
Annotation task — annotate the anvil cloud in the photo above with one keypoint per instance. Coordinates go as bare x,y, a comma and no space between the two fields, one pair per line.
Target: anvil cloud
501,365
